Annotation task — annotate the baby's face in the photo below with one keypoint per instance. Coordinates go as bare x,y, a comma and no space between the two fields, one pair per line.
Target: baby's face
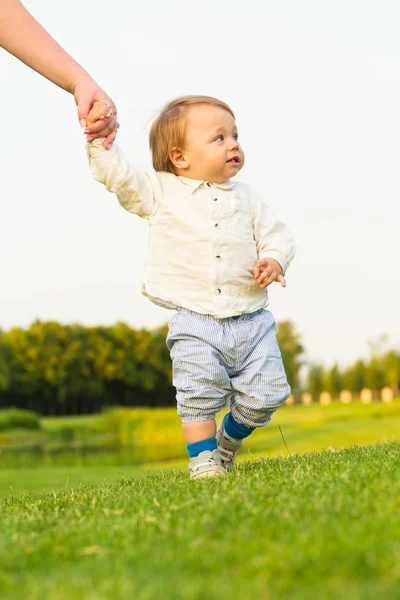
211,144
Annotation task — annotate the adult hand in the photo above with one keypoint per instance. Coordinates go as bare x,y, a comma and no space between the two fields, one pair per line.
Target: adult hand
86,94
25,38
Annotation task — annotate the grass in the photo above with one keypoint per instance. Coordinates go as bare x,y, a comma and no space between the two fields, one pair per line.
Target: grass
322,525
142,436
45,480
313,428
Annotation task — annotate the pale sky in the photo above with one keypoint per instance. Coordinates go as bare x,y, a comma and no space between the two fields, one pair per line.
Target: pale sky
316,91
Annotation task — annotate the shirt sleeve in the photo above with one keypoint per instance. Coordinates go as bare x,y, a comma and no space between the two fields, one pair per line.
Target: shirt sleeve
273,238
133,187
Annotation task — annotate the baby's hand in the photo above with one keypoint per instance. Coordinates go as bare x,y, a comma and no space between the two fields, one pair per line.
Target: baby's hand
268,270
100,113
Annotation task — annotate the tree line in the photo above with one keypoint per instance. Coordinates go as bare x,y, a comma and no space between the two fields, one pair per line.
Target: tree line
382,369
57,369
375,373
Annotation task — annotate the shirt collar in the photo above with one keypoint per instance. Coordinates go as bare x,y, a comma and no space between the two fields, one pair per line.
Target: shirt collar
194,184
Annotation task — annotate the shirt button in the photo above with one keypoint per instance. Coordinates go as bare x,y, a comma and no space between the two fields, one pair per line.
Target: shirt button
209,184
216,224
215,199
219,290
218,256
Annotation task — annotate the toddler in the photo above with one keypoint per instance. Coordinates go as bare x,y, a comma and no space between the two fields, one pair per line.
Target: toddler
214,248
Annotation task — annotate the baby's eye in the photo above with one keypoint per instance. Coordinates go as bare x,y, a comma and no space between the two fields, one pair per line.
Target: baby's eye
235,136
220,138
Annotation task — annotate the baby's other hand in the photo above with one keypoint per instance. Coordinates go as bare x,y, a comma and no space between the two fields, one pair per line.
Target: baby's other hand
268,270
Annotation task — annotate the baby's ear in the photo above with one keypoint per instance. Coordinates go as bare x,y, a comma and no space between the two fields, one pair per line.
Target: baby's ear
100,110
178,158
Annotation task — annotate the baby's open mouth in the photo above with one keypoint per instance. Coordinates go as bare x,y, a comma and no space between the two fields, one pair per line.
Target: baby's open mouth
235,159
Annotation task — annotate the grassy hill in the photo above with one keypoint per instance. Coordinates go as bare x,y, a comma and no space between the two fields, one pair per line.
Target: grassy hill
323,525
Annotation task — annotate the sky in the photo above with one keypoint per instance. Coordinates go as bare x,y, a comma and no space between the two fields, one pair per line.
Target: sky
316,91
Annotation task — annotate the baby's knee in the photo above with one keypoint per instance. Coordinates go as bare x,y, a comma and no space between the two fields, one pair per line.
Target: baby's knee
257,410
197,407
275,399
191,414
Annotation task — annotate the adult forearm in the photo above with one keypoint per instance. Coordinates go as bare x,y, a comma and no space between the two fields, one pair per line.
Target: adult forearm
25,38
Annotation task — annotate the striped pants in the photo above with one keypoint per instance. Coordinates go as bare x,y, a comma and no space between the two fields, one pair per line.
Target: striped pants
236,359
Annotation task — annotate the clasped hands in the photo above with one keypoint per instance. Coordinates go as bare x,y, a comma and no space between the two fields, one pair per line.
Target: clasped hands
101,122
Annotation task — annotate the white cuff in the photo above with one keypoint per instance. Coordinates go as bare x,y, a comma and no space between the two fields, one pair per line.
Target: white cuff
278,257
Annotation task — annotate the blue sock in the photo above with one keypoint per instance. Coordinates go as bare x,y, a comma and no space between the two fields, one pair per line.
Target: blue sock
236,430
197,447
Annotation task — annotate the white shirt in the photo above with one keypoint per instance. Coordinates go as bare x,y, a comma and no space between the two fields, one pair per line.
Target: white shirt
205,237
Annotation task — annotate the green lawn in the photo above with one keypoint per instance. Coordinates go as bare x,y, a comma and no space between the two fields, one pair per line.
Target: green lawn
44,480
323,525
305,429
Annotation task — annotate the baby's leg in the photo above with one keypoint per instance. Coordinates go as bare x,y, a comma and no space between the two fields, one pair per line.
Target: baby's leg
201,381
199,430
260,385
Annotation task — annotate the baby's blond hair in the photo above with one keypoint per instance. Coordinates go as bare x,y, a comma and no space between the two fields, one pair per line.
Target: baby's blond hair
168,129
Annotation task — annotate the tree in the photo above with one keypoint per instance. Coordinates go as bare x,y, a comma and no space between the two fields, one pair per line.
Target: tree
375,377
292,350
315,379
354,377
5,362
332,380
391,369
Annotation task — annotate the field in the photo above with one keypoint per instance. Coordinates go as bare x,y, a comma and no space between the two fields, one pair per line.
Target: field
323,525
146,440
44,480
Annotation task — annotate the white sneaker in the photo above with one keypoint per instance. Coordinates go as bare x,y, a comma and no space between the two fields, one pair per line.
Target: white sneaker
206,464
228,447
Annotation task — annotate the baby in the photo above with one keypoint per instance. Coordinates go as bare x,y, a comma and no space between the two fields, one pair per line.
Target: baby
214,248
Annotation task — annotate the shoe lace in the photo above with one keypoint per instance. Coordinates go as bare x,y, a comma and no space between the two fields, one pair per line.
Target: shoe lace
225,454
